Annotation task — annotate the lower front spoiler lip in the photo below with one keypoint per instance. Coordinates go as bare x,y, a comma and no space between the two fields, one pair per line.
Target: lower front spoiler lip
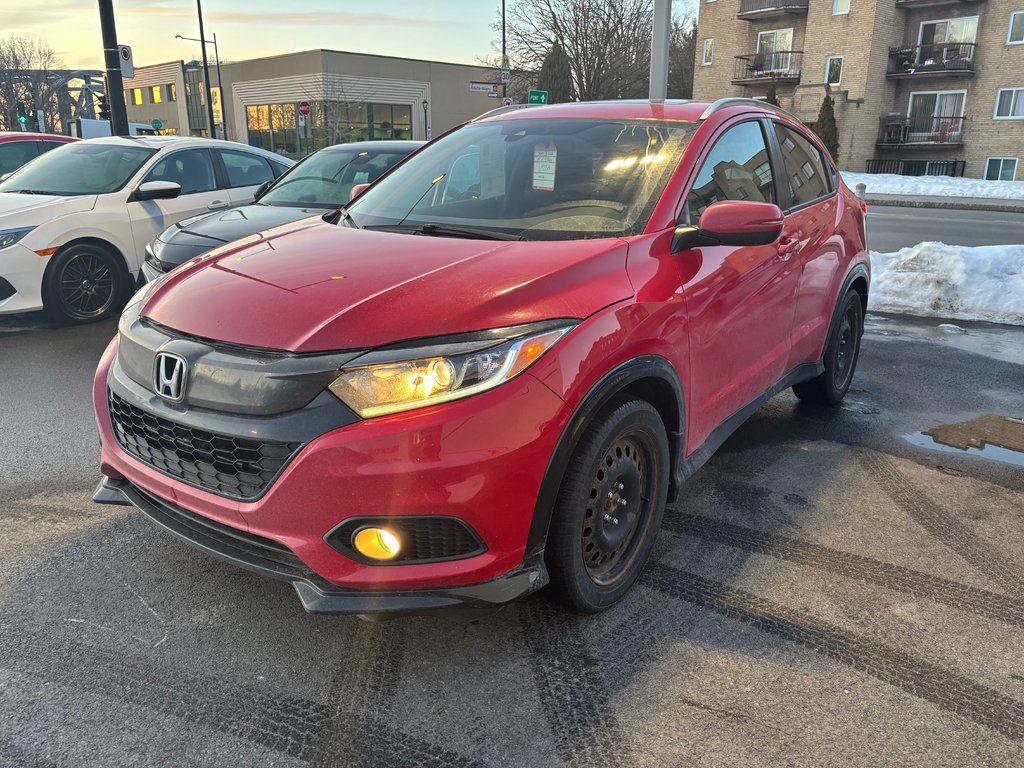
316,594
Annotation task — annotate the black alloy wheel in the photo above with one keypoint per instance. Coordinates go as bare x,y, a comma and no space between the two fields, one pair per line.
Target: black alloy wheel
84,283
609,507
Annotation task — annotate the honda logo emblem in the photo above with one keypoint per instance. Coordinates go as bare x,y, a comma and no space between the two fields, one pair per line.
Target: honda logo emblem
169,376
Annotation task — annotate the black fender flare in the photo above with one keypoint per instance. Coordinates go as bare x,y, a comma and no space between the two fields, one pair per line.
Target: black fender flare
599,396
858,271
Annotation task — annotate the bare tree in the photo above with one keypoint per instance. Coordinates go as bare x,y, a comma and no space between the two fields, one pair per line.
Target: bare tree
681,54
607,42
26,67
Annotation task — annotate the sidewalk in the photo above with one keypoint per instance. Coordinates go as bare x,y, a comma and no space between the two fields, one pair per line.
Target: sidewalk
947,201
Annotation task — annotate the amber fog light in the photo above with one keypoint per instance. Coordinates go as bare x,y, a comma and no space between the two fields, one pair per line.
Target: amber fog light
376,543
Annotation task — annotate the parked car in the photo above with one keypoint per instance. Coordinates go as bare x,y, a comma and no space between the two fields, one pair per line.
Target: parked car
74,222
498,364
322,181
18,147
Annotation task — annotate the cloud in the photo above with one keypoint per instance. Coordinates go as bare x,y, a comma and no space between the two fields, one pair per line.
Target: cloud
325,18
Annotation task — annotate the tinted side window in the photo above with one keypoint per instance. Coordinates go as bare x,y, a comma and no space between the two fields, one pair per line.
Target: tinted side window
193,169
14,154
805,168
736,169
48,145
245,170
278,168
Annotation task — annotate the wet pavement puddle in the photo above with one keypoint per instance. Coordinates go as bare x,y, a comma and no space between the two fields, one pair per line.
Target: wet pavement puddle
990,436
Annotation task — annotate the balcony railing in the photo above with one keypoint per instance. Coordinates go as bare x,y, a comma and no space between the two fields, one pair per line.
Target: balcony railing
756,10
931,3
899,131
935,60
774,67
918,167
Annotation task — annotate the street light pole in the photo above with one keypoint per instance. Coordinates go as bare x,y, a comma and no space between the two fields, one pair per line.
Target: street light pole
206,71
426,131
504,57
661,32
112,62
220,80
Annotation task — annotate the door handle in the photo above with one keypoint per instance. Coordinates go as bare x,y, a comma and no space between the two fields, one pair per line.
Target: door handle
787,247
216,205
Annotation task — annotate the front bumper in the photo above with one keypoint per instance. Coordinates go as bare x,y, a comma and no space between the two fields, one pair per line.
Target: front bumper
268,558
481,460
23,269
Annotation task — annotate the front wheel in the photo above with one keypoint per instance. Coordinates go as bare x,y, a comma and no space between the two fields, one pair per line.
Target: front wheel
609,507
829,387
86,282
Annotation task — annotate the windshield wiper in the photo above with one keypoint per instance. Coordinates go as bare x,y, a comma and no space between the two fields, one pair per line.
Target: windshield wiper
32,192
341,214
445,230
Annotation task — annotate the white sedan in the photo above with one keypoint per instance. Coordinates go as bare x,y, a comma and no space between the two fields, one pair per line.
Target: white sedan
74,222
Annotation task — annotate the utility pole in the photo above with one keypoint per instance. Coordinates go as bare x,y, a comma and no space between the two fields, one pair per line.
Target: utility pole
504,58
206,73
112,62
661,35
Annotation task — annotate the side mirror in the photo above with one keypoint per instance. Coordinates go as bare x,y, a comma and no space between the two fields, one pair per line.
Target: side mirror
732,222
261,189
156,190
357,190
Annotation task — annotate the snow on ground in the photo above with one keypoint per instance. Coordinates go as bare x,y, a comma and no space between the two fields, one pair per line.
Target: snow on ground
939,186
951,281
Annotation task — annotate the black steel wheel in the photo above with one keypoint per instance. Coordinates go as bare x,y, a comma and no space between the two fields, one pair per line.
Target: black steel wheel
85,282
609,507
840,358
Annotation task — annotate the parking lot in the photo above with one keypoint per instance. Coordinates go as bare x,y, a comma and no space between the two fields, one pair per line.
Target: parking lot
825,592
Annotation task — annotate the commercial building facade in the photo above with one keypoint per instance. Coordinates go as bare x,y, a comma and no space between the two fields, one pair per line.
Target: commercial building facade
348,96
921,87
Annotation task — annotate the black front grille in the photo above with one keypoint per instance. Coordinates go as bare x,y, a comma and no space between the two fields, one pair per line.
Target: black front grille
424,539
236,467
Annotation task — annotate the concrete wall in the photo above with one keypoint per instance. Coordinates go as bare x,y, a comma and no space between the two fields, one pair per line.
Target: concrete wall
173,114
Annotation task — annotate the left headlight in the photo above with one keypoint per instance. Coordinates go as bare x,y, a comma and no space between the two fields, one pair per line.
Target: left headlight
416,382
9,237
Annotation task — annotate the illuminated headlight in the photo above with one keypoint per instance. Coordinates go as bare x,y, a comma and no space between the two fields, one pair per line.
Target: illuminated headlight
9,237
416,382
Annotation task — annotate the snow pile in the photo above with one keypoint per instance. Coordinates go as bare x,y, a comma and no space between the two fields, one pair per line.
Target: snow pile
934,186
951,281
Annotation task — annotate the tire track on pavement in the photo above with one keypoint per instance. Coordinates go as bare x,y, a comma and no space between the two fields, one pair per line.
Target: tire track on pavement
892,577
946,689
569,685
278,722
942,524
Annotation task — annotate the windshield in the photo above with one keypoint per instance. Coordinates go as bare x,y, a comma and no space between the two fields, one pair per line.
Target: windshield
82,168
326,178
539,179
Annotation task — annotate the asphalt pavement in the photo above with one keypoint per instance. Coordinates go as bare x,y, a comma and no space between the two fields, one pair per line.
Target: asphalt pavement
891,228
825,592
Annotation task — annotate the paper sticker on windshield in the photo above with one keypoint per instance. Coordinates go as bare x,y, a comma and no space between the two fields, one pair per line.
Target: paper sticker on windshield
544,159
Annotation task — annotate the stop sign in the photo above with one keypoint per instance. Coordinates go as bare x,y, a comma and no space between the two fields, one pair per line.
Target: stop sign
304,108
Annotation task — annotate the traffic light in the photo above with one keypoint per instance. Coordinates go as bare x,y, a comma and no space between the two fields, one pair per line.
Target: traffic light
104,107
22,112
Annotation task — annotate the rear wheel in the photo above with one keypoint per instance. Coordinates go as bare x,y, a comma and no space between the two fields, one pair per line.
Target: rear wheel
829,388
85,282
609,507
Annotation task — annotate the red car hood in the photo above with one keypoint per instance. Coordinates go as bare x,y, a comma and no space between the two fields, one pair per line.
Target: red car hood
312,286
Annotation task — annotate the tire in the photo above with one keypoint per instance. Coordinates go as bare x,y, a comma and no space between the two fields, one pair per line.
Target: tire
829,387
85,282
609,507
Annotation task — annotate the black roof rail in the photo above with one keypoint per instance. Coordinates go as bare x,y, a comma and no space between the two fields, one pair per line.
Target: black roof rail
739,101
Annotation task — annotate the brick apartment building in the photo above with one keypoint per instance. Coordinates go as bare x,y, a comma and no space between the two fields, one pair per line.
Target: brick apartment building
920,86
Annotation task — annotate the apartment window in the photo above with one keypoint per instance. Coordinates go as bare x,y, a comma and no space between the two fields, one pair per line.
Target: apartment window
834,70
774,50
172,92
789,144
136,95
1009,104
1001,169
840,7
1016,34
155,94
709,51
935,116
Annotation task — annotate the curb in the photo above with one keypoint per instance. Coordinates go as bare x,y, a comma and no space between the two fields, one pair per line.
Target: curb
948,203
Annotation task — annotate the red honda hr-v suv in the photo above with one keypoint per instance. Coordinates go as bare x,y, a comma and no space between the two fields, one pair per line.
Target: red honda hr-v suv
498,364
